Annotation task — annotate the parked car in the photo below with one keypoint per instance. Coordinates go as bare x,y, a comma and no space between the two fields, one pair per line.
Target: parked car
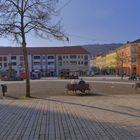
73,77
35,76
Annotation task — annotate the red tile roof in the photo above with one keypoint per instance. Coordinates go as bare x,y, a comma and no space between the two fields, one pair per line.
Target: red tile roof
43,50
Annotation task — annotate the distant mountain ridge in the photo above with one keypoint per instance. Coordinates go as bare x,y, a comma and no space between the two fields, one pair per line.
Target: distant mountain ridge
101,48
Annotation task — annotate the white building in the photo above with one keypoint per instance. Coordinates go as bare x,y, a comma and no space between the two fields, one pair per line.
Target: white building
92,64
49,60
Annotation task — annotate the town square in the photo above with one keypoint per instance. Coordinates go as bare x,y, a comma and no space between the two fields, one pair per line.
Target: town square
69,70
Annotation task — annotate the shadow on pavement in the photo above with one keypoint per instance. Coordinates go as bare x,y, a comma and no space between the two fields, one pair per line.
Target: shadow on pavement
53,119
95,107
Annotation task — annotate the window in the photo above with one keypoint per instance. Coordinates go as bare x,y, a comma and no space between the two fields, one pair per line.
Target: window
133,50
0,58
133,60
13,57
86,57
73,62
59,57
36,63
82,56
79,62
14,63
78,56
50,63
64,57
5,58
50,57
37,57
67,57
63,62
60,63
73,56
5,64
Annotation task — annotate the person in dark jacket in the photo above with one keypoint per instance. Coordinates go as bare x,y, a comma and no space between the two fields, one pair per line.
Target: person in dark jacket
81,82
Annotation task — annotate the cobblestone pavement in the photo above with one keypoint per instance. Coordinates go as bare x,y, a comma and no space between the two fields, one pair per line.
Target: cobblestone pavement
113,117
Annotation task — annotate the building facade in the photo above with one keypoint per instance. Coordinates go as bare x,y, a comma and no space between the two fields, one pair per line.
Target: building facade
100,64
125,60
49,61
111,62
128,58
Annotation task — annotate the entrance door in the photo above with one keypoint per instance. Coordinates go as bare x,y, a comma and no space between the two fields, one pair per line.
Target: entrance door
134,71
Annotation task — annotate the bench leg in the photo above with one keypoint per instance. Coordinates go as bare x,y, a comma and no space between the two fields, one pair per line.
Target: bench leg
74,91
83,91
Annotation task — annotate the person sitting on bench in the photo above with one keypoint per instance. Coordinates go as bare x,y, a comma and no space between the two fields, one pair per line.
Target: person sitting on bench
81,82
73,81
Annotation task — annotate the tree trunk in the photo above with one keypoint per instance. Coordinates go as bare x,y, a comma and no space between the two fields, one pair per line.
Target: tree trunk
25,53
122,74
26,68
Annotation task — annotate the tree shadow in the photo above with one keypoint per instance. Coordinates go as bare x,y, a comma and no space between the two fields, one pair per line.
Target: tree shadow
95,107
89,106
130,109
70,93
52,119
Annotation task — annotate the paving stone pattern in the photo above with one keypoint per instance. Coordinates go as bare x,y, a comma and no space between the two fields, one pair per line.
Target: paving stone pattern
114,117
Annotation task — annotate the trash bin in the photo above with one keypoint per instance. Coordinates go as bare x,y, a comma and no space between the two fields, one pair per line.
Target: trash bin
4,89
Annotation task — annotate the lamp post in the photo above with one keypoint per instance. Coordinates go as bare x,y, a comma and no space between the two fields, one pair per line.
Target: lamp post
122,69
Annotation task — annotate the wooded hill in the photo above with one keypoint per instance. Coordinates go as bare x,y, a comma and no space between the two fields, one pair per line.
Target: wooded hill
101,48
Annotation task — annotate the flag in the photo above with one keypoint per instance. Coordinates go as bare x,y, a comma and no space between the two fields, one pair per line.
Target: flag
67,39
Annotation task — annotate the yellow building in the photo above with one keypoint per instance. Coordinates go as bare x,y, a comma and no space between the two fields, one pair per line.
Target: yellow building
100,63
111,62
124,60
128,58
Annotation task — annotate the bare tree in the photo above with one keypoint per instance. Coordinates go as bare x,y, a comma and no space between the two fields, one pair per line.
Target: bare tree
19,17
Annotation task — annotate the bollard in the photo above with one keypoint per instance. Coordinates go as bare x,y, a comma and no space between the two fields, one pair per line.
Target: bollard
4,89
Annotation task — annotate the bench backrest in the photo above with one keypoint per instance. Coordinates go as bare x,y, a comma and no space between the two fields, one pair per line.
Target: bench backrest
78,87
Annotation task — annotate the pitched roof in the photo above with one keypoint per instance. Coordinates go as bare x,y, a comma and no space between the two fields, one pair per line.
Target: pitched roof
43,50
136,41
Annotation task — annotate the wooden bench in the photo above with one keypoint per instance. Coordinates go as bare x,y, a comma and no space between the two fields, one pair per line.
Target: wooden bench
75,87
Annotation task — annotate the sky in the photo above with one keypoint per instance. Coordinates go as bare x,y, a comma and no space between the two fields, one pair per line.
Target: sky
93,22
